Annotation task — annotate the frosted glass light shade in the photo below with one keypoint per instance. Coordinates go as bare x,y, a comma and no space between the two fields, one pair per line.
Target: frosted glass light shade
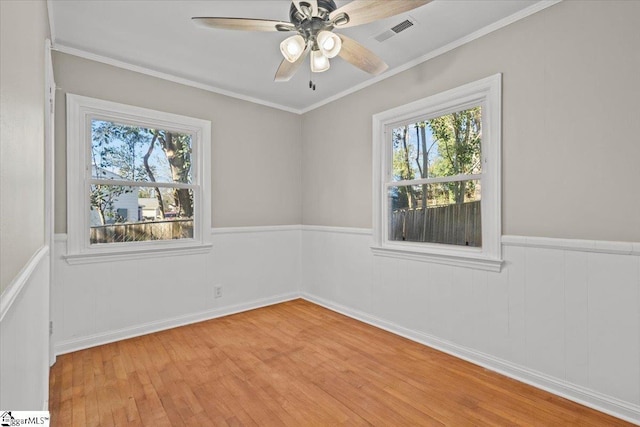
329,43
319,62
292,47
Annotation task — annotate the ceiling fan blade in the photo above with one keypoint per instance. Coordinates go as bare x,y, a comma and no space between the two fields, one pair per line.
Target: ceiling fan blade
287,69
245,24
361,57
364,11
313,4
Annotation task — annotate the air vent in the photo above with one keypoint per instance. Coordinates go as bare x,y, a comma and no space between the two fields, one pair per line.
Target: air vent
396,29
402,26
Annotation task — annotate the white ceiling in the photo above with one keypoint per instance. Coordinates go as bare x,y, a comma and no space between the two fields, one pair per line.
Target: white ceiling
158,37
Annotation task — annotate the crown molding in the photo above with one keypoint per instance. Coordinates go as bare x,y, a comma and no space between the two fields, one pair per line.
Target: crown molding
59,47
521,14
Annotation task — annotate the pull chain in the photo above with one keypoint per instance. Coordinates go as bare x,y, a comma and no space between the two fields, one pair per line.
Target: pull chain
312,85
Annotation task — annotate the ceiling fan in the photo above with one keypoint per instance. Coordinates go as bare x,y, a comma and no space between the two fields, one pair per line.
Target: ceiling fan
314,22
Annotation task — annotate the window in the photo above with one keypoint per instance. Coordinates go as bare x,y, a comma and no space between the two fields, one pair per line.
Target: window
137,181
437,178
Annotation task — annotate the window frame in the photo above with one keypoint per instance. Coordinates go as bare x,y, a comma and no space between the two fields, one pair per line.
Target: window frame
485,93
81,110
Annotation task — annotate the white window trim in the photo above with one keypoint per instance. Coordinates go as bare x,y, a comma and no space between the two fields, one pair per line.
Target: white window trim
487,94
80,111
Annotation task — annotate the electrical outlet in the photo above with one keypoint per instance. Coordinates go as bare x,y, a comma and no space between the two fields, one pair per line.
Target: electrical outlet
217,291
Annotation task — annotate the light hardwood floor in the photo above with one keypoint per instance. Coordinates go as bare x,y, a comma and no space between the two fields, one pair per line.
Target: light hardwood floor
294,364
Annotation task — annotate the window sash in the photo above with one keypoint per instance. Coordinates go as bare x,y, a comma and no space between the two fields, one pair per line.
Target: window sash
120,119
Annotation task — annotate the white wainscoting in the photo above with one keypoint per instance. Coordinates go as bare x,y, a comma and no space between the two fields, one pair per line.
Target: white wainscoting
24,337
563,315
104,302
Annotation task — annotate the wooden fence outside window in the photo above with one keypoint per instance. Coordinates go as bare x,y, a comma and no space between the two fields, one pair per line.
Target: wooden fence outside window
456,224
142,231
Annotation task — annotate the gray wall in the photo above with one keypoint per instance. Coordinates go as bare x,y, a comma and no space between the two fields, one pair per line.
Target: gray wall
23,29
255,164
571,149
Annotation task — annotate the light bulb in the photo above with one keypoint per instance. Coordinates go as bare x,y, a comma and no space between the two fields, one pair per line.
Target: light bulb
319,62
329,43
292,47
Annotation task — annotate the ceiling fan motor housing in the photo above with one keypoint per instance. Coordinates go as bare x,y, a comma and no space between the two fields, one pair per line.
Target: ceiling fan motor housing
325,7
309,28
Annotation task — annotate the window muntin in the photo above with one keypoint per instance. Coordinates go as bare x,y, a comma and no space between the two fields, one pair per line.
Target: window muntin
466,187
107,143
443,155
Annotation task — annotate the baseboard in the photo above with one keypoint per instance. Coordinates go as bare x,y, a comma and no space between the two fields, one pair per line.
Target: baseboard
72,345
581,395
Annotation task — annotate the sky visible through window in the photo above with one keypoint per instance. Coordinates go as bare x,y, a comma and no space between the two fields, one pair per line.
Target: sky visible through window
415,132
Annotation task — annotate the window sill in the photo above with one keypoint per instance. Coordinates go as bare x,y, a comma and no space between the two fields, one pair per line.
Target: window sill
457,259
136,253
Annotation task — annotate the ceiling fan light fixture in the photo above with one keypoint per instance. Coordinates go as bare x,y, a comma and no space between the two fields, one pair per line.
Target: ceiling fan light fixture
319,62
329,43
292,47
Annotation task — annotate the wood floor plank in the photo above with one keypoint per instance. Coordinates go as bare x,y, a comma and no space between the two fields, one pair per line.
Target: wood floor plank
292,364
